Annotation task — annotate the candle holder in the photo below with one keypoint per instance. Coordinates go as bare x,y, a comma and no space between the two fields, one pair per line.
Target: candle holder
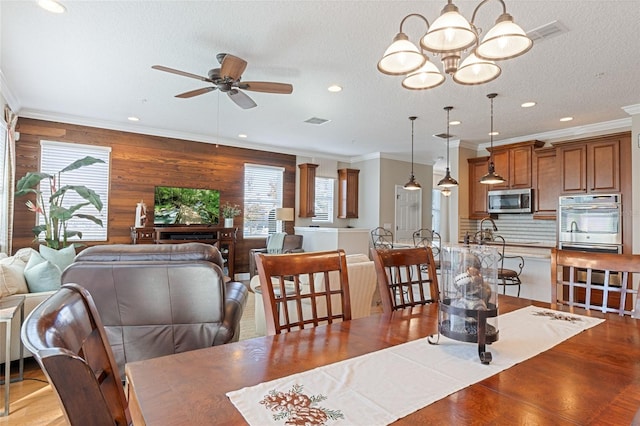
468,307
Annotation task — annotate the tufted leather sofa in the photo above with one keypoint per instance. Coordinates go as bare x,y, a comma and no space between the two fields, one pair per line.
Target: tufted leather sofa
160,299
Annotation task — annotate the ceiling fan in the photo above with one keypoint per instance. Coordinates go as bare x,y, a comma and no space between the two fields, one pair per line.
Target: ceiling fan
227,80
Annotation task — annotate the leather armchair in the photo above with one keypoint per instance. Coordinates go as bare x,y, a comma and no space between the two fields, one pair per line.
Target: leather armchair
160,299
291,244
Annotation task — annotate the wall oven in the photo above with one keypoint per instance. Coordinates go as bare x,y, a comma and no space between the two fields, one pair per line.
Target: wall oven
590,223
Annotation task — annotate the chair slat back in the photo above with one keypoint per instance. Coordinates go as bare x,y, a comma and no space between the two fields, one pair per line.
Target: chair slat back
598,281
406,277
67,338
298,283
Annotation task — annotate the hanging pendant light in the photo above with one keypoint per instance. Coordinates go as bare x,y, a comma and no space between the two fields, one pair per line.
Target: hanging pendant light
492,177
412,185
445,191
447,181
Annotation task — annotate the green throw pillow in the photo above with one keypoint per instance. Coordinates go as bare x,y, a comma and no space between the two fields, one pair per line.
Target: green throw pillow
41,275
61,258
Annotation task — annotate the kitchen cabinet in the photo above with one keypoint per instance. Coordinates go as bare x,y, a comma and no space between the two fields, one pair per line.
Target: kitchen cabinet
514,163
348,193
307,190
478,167
590,166
545,183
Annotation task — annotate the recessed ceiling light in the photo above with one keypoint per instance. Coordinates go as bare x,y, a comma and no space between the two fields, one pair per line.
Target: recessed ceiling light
454,123
528,104
334,88
493,133
133,118
566,119
52,6
242,135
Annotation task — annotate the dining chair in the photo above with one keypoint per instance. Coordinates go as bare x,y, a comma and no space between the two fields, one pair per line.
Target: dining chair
406,277
598,281
382,238
427,238
66,336
506,276
301,290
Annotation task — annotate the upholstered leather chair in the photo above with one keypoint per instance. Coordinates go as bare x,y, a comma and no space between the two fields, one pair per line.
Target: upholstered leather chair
291,244
160,299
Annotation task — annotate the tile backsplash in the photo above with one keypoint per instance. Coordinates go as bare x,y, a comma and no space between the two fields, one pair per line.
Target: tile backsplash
516,228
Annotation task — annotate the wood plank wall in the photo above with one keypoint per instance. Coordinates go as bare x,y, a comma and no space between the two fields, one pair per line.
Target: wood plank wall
139,163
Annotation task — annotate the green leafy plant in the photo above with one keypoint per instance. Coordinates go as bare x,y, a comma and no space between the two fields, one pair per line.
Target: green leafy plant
229,211
55,214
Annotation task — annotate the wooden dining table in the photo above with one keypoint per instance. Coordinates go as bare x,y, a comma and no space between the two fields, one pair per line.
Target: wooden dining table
592,378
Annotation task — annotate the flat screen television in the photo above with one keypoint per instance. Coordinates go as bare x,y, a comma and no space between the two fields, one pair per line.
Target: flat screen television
185,206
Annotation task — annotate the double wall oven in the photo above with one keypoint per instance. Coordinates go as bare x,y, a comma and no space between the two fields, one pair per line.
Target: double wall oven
590,223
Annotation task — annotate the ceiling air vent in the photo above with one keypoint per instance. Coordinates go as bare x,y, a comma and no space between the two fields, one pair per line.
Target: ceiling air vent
316,120
546,31
443,135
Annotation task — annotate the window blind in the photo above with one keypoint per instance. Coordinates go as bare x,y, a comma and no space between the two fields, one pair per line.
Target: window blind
55,156
263,192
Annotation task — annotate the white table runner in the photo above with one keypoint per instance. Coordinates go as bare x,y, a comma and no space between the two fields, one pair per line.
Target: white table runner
383,386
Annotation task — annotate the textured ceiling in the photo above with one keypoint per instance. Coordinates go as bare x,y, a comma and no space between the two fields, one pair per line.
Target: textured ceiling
92,65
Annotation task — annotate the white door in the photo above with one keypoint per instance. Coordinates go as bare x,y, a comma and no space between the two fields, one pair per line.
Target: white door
408,214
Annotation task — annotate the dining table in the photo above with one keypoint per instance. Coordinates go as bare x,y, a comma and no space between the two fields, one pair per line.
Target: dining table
591,378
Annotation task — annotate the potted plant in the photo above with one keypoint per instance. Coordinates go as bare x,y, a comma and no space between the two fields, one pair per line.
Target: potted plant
229,211
55,214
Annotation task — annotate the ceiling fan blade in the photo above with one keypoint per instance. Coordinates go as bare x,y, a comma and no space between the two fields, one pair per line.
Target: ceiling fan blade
266,86
192,93
241,99
182,73
232,67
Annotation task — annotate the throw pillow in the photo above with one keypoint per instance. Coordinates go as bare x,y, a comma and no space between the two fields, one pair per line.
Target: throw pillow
41,274
24,254
61,258
12,276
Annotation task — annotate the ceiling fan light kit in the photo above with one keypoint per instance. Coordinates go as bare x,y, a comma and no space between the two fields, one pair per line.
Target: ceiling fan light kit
412,185
227,80
450,36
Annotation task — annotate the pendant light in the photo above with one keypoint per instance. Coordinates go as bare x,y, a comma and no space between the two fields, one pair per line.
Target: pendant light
447,181
412,185
492,177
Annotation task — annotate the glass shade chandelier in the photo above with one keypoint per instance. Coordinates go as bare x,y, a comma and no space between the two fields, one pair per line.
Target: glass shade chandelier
450,36
412,185
491,178
447,181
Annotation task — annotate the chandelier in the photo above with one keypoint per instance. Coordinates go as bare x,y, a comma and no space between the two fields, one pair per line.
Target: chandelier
450,36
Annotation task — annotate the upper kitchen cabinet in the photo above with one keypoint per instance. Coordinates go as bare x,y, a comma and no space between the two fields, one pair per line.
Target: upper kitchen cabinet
545,183
591,166
348,193
478,167
307,189
514,163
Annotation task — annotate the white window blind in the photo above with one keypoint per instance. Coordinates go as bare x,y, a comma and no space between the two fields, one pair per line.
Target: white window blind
55,156
4,193
263,189
324,200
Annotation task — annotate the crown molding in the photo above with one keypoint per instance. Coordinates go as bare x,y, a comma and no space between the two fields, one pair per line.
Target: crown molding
632,109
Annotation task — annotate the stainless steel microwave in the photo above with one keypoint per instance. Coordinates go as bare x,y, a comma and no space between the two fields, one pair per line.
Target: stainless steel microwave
510,201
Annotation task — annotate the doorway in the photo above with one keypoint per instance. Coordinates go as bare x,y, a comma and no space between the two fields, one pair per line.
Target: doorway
408,212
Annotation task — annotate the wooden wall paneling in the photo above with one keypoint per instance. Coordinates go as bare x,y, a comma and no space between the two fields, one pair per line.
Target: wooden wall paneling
139,163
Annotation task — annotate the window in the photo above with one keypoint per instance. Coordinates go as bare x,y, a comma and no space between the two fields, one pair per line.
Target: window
263,188
324,200
4,200
55,156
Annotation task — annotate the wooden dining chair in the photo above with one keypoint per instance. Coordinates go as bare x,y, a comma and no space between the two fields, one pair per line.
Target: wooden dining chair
598,281
66,336
303,290
406,277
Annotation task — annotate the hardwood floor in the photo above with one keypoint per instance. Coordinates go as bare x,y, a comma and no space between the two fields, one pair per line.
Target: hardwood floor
33,403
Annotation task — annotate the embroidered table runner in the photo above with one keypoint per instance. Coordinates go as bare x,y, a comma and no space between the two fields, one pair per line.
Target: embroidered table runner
359,391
